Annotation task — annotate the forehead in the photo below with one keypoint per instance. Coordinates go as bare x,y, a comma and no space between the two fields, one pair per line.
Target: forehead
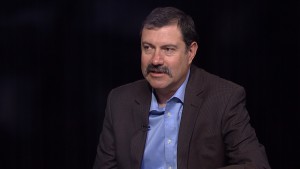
167,34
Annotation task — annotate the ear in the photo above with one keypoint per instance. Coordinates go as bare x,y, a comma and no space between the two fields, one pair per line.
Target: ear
192,51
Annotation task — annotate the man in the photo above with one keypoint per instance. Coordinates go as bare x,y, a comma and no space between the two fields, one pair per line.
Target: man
179,116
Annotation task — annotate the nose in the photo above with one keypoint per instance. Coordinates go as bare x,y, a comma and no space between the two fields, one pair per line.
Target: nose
157,58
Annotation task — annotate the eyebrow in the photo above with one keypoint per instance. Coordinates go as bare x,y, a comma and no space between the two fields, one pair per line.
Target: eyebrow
169,45
163,46
147,43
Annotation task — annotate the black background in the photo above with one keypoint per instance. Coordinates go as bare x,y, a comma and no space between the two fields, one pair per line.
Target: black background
59,60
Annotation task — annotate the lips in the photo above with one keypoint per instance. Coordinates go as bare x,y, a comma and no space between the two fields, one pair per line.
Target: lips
156,71
156,74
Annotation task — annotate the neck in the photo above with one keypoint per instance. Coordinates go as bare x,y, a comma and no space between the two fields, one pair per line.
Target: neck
163,97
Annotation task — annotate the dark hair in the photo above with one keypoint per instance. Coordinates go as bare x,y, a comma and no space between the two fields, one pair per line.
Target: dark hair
160,17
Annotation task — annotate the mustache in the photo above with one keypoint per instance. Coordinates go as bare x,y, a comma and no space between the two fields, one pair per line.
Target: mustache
158,69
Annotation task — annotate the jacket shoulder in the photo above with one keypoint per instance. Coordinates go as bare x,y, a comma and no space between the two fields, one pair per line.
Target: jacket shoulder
209,81
131,89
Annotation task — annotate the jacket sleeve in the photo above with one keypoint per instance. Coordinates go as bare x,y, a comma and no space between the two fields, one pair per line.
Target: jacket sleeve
106,157
242,147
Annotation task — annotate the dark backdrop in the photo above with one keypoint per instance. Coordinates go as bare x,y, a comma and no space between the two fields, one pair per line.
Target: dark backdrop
59,59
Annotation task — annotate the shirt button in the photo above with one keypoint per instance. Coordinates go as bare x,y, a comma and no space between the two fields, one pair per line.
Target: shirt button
169,141
169,167
169,114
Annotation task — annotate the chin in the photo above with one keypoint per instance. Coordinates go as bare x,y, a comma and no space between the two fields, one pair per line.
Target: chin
157,85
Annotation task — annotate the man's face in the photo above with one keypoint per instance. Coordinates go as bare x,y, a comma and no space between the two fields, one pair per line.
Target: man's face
165,58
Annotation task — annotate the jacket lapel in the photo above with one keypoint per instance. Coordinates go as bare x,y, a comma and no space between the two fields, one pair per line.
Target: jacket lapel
192,103
140,119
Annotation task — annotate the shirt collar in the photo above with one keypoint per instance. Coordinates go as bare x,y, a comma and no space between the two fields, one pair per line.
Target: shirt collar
179,94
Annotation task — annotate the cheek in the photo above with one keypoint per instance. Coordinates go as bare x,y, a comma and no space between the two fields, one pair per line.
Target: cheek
180,62
144,63
180,66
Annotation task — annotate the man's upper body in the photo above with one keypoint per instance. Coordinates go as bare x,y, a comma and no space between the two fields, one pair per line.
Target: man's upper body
214,128
180,116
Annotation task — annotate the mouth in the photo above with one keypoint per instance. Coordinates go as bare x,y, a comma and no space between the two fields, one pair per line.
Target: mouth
156,73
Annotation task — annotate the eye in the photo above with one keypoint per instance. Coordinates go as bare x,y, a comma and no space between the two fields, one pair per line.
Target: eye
148,49
169,50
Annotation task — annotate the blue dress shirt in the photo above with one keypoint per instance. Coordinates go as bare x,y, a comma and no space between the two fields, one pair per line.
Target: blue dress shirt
161,145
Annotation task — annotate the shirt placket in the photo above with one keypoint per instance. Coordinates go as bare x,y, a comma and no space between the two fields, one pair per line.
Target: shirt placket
171,133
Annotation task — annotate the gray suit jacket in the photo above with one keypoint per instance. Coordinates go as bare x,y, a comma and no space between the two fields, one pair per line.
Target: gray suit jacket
214,131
